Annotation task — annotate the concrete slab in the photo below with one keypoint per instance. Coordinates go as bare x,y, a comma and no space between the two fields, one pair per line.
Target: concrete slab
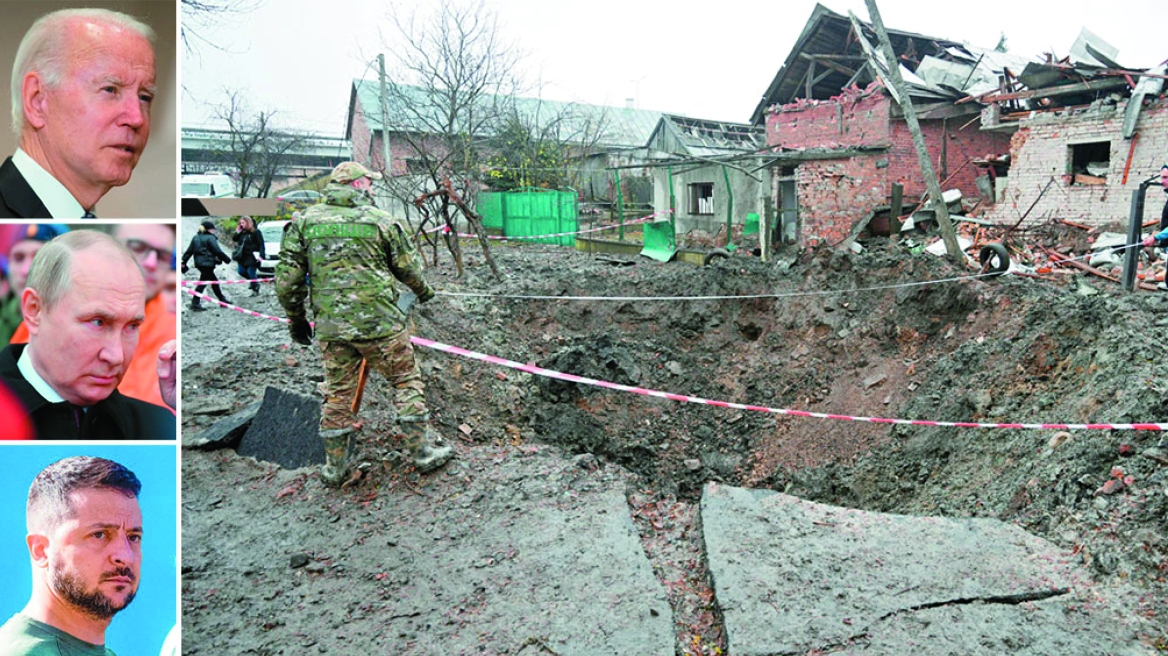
286,430
792,576
225,433
516,551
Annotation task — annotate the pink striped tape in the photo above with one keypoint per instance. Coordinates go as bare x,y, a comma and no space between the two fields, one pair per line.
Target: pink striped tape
196,283
684,398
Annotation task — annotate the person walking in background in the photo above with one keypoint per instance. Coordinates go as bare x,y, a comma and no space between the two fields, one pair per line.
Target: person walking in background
204,247
249,250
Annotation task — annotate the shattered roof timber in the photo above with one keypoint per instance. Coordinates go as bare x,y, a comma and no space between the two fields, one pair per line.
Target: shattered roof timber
826,58
782,156
683,135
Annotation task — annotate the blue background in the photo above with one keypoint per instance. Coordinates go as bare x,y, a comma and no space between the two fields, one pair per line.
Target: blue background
140,629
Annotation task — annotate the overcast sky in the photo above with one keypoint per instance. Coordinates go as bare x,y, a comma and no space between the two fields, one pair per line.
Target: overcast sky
710,59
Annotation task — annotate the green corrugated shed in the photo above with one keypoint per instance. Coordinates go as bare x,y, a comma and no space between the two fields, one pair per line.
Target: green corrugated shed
528,212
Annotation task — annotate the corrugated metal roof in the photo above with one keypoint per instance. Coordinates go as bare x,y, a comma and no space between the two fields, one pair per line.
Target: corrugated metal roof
621,127
707,138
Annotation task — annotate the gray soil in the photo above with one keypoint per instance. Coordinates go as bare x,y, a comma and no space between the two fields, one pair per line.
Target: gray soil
273,562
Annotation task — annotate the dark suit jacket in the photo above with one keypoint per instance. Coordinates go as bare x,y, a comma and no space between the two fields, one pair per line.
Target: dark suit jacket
117,417
17,199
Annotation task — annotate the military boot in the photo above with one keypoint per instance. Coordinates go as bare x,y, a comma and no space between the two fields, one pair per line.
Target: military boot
336,455
426,449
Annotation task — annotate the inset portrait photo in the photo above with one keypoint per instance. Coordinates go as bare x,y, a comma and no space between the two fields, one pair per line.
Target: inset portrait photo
88,347
90,538
92,110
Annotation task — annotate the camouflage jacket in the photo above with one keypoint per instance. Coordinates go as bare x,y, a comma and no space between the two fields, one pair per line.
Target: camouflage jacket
350,252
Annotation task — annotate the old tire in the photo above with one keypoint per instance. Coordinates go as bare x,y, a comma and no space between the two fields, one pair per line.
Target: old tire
994,258
713,255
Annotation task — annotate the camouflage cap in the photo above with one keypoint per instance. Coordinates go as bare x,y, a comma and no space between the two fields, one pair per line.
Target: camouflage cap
347,172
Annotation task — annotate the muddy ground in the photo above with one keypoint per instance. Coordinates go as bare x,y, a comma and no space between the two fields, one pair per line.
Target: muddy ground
1009,349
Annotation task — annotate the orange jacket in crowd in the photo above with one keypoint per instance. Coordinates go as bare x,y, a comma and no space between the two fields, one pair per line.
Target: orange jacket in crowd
141,380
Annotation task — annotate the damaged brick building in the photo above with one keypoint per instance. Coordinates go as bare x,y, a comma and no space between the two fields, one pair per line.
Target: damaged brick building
847,138
1062,139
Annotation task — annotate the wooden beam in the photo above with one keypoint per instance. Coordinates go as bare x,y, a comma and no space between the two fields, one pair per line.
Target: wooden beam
876,60
859,72
855,58
828,62
1061,90
934,186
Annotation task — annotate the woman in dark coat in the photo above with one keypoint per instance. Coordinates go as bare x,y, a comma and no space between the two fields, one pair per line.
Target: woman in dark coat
250,249
205,249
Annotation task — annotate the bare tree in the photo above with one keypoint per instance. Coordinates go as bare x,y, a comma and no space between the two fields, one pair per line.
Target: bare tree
199,15
255,147
454,76
539,145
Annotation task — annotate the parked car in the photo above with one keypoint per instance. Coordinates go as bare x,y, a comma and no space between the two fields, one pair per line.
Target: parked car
207,185
297,200
273,232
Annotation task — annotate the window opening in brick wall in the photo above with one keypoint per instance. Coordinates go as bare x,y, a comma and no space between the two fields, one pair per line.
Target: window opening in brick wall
1089,162
701,198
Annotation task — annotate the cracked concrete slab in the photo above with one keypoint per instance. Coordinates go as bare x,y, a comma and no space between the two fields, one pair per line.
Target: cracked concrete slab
791,576
536,557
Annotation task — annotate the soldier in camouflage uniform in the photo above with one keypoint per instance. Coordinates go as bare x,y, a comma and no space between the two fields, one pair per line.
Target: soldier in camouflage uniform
351,252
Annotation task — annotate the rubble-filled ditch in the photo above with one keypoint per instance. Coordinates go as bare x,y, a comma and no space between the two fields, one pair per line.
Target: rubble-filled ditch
997,350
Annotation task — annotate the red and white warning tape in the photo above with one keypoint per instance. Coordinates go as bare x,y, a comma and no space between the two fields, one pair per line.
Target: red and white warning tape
196,283
540,371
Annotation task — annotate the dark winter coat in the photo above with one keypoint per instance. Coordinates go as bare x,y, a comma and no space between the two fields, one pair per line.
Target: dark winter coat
205,249
252,243
116,417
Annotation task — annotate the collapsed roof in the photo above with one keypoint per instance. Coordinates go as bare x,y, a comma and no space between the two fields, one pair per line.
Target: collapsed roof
828,57
695,137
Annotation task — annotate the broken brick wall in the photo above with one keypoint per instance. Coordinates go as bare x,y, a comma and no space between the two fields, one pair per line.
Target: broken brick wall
962,146
851,119
1041,150
834,194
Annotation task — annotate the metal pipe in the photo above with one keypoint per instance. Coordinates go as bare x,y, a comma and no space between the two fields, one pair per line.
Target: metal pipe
729,204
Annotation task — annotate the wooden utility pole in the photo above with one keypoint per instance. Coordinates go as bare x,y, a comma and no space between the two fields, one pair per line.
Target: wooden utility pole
385,122
889,70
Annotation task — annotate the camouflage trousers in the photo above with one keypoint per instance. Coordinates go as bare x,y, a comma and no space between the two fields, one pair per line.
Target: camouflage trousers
392,357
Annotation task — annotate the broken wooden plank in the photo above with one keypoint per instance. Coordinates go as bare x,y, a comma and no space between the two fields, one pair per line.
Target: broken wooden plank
1084,179
931,182
1065,259
1051,92
875,59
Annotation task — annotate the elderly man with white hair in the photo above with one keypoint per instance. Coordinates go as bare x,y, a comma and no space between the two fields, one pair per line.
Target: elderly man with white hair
82,85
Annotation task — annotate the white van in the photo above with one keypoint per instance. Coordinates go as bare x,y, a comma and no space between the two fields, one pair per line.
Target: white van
207,185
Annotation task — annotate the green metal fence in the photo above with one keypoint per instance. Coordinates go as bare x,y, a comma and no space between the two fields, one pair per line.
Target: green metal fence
529,211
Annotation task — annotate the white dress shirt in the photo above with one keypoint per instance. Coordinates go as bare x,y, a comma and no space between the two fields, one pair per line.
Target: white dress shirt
57,199
24,364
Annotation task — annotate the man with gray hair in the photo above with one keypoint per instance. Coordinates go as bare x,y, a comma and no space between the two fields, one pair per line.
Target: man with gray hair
82,85
84,303
85,544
